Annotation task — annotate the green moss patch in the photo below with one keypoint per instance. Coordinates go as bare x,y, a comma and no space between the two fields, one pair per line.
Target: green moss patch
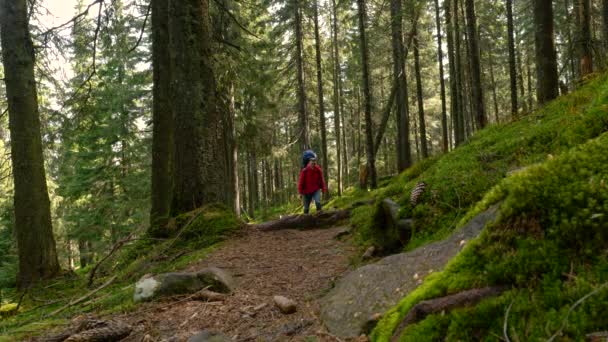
194,235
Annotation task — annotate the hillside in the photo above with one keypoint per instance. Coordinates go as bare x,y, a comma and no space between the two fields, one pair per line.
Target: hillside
547,171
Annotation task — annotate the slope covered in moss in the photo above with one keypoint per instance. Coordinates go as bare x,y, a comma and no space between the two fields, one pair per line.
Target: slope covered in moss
458,180
550,242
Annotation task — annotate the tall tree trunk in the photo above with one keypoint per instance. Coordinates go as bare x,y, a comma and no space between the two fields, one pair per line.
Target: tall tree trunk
585,47
255,179
491,65
384,122
162,121
404,158
444,119
200,166
529,75
421,121
460,137
512,71
345,173
320,93
452,71
570,41
33,228
605,26
520,76
252,191
546,59
359,124
478,109
337,80
304,138
233,154
367,95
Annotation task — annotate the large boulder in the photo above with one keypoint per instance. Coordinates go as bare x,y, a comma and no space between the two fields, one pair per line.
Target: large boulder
368,291
170,284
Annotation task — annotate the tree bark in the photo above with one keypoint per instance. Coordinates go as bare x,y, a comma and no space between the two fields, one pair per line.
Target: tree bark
585,47
367,95
33,227
444,118
460,136
304,138
546,59
233,155
337,78
521,79
162,121
421,121
478,108
529,79
452,71
404,158
511,48
385,116
605,25
320,93
493,81
200,166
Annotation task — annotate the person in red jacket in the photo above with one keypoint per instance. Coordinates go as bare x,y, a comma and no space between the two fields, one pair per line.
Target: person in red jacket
310,184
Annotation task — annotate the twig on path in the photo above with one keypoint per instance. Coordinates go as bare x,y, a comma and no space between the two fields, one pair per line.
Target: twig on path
83,298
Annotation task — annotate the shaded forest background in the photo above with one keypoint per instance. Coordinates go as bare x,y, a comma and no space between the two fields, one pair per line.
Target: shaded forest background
372,86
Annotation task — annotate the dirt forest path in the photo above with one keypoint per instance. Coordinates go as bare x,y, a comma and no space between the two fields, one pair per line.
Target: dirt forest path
300,265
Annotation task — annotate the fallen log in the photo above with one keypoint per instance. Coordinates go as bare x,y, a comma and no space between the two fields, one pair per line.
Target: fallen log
317,220
91,330
447,303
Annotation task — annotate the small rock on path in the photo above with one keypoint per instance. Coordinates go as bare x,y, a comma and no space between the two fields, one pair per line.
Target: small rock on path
300,265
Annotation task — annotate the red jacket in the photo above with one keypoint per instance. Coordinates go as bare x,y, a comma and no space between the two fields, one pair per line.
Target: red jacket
311,180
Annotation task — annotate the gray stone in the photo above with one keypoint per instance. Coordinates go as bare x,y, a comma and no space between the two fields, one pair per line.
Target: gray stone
208,336
284,304
170,284
374,288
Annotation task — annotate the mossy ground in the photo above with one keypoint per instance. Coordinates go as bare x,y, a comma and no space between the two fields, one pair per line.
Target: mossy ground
207,227
550,242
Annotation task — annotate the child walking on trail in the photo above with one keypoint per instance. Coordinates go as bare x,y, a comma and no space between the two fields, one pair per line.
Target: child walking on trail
311,182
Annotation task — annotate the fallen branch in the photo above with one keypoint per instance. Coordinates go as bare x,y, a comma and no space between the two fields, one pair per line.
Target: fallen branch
447,303
116,247
83,298
318,220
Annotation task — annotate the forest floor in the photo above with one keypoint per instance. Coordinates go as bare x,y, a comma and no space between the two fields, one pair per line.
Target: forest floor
300,265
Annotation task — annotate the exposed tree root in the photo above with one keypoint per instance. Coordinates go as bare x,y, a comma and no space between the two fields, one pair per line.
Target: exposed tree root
447,303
